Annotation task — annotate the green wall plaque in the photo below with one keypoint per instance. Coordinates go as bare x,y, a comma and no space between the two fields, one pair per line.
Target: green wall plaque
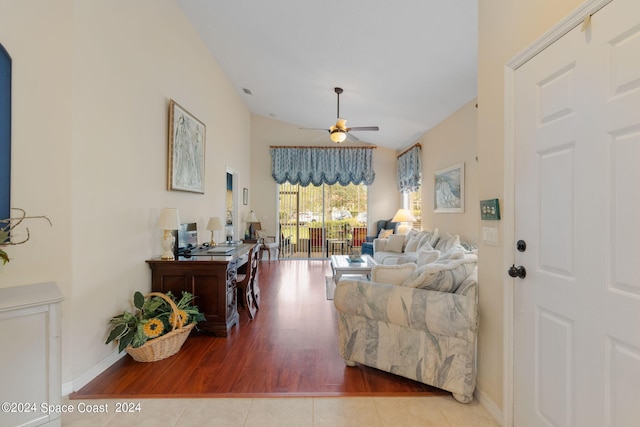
490,210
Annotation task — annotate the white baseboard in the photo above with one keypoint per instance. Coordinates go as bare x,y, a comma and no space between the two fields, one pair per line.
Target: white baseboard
91,373
488,404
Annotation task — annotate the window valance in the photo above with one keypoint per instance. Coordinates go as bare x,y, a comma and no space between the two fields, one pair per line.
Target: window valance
322,165
409,173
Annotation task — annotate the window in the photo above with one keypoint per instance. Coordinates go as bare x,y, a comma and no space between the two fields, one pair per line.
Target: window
314,218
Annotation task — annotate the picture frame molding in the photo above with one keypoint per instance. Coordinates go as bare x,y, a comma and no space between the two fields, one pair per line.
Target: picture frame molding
456,174
186,151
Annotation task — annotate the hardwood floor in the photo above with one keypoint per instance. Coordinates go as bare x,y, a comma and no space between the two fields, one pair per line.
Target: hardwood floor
289,349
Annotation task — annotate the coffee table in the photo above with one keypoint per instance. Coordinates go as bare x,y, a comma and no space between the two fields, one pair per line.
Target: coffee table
340,265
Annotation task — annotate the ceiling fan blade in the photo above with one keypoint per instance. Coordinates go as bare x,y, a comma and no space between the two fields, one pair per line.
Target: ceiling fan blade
361,128
322,129
319,138
352,138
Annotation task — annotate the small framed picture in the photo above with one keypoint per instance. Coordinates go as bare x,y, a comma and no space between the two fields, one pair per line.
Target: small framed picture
245,196
449,190
489,210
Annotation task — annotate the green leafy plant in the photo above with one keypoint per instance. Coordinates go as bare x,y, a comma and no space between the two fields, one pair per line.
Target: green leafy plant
7,225
151,318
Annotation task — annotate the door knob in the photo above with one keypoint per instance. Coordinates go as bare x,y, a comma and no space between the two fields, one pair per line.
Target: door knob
518,271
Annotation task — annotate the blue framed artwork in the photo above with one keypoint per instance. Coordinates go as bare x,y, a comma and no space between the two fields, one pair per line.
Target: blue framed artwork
5,133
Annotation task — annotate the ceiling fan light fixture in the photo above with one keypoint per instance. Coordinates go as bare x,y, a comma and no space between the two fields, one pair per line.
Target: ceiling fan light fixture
338,136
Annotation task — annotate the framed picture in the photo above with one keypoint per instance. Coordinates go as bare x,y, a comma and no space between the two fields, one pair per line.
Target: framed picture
186,150
489,210
449,190
245,196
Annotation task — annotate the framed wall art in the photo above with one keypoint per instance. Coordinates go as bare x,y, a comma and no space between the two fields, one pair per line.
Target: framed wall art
186,150
449,190
245,196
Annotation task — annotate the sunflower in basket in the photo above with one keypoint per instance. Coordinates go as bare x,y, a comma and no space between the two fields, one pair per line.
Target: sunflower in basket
152,318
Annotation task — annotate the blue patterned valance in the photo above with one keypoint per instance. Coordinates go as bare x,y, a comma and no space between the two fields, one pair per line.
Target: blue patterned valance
409,173
322,165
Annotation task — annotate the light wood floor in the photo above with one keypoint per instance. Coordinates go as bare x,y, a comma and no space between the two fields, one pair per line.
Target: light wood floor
290,349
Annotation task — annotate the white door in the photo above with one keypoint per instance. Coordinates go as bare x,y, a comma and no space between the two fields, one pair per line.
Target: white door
577,208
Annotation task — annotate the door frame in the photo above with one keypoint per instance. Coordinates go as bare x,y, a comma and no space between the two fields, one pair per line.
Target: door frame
574,19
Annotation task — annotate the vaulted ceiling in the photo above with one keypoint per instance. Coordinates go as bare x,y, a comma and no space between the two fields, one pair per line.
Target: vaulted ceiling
404,65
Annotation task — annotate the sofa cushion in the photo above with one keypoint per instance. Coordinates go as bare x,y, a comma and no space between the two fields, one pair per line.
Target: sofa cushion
433,236
403,259
426,256
456,252
384,234
442,276
413,240
395,243
447,241
393,274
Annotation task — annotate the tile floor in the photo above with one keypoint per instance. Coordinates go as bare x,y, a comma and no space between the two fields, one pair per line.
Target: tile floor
440,411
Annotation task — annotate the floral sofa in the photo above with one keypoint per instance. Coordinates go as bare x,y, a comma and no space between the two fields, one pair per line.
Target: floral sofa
419,322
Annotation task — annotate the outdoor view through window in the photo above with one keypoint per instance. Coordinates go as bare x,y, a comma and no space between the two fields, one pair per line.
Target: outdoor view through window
319,221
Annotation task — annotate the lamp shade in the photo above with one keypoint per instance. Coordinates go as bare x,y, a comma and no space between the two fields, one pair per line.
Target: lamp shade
169,219
403,215
338,136
252,217
214,223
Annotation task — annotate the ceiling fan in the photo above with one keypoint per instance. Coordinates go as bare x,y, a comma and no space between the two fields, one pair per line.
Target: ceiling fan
339,132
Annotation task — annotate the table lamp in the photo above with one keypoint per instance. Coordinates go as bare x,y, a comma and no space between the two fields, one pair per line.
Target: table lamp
213,225
251,218
404,217
168,221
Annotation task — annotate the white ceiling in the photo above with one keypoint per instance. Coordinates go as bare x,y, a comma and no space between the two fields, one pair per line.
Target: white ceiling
404,65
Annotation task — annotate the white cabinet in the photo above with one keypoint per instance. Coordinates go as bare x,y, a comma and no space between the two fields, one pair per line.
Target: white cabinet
30,355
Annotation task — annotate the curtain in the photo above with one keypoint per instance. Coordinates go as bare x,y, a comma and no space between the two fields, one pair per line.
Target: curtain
409,173
322,165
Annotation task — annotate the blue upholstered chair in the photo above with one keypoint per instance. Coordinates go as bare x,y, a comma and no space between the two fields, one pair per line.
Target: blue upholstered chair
383,224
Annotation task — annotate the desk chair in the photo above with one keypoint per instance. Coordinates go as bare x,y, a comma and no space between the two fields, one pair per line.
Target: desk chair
268,244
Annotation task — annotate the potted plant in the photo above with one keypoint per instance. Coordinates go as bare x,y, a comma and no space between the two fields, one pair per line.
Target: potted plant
7,225
157,327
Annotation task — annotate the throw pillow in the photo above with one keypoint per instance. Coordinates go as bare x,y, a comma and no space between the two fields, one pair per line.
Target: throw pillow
426,256
393,274
385,233
395,243
425,242
447,241
455,252
443,277
414,240
406,259
433,236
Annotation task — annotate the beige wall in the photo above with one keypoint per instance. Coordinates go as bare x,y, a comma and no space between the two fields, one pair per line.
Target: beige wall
451,142
506,27
91,87
383,197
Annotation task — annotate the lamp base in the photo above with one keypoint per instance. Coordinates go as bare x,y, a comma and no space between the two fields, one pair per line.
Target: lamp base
167,244
404,229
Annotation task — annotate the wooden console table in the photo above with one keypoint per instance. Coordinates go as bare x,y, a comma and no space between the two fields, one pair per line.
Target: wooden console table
210,278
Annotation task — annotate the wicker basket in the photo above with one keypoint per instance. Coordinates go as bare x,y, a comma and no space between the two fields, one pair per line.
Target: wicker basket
168,344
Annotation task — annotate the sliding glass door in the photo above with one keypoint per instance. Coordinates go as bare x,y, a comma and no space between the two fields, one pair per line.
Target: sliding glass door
316,222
